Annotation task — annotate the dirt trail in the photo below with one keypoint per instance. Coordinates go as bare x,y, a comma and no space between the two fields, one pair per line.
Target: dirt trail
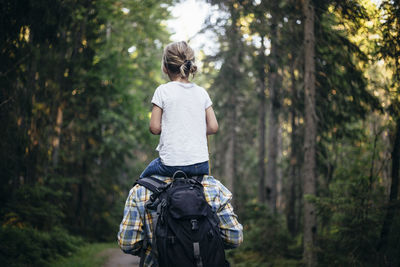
116,258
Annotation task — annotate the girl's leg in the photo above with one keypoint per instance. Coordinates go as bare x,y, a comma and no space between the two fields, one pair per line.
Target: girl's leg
156,167
152,168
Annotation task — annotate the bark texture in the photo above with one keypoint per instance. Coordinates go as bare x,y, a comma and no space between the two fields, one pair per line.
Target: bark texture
273,114
394,189
57,130
309,174
230,158
291,217
230,170
262,116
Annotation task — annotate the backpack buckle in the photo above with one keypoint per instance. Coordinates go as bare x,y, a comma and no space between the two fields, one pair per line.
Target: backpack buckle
195,224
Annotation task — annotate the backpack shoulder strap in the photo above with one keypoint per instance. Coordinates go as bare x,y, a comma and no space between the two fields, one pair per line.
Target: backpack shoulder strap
151,183
198,178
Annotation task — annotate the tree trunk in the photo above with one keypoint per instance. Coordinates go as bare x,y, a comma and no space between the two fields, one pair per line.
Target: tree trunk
291,203
56,139
272,157
261,148
309,175
81,207
394,187
29,119
273,114
230,164
279,183
230,161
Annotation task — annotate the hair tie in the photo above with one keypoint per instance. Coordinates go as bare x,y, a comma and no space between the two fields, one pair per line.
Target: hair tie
188,63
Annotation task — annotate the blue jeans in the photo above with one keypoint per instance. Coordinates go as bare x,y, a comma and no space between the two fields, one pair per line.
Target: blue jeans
156,167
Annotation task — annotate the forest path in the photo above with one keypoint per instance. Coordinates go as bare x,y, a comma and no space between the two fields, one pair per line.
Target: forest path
116,258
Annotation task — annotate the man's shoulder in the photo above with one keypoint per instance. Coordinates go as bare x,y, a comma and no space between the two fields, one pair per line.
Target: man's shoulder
216,190
209,180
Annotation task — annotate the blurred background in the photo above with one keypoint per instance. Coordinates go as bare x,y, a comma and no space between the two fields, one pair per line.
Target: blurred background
306,94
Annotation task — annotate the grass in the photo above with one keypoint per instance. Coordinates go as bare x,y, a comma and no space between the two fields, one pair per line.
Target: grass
87,256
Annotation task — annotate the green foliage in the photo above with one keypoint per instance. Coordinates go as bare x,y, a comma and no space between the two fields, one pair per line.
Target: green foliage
266,240
342,96
38,206
351,213
30,247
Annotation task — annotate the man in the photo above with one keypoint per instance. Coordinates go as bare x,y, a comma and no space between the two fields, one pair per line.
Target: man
137,223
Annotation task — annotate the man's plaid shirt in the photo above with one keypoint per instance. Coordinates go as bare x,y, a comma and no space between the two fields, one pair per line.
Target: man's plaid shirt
133,226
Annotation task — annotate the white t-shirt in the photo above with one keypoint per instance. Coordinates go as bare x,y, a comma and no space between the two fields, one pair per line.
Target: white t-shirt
183,139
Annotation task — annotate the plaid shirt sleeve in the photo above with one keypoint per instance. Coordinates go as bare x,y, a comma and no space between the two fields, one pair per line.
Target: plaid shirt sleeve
131,234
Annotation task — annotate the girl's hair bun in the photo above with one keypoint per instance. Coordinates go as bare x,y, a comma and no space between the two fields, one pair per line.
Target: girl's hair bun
178,59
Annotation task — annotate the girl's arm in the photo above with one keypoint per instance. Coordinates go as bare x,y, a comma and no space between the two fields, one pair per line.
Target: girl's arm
155,120
211,120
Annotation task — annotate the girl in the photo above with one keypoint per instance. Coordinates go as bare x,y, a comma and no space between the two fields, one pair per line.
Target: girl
183,115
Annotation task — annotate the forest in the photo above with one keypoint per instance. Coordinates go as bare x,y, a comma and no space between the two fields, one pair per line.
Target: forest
307,96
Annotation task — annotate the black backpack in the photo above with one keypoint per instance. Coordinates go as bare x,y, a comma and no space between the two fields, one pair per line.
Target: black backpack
186,229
